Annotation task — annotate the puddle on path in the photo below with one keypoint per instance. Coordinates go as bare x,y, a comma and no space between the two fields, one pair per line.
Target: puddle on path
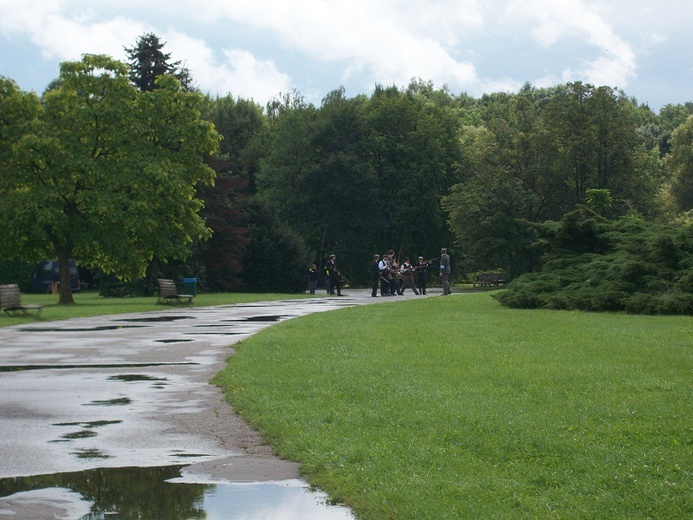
135,377
81,329
89,424
270,317
157,493
156,319
218,333
118,401
19,368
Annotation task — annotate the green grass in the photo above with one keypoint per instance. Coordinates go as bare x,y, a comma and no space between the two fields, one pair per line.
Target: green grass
460,408
91,304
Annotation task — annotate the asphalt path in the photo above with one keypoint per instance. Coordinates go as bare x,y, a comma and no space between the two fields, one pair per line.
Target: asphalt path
134,390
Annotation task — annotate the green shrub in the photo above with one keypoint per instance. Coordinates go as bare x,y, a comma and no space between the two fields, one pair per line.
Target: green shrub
593,264
674,303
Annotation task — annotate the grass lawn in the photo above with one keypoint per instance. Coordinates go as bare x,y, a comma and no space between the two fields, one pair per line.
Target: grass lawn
91,304
459,408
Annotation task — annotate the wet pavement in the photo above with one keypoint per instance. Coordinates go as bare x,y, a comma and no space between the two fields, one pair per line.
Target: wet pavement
132,391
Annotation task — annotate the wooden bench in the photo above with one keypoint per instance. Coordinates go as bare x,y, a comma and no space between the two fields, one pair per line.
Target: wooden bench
11,301
168,293
487,279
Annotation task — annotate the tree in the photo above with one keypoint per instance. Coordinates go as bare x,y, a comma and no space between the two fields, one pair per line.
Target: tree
107,175
412,146
680,163
148,61
276,258
355,175
486,210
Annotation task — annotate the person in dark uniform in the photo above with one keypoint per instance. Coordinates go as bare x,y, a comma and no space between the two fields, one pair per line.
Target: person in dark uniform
334,275
375,274
420,268
312,278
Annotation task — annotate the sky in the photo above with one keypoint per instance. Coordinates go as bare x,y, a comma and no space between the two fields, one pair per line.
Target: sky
260,49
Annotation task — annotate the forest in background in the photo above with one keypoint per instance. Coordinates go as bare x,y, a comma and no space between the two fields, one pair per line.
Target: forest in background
414,169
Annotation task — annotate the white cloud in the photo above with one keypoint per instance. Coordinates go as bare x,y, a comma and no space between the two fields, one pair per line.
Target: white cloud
555,20
387,41
239,73
66,38
260,48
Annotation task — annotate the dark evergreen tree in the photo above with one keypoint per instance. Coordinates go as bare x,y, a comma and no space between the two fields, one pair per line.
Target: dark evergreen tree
148,61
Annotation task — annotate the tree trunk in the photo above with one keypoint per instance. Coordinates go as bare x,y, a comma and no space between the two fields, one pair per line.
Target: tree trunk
65,290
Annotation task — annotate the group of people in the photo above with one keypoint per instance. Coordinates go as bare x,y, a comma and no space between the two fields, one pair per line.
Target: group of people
332,274
386,273
394,279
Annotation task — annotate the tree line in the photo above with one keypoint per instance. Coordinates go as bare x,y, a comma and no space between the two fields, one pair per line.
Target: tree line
410,168
416,168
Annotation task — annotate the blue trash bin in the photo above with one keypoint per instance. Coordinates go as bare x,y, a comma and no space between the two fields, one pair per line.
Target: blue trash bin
190,286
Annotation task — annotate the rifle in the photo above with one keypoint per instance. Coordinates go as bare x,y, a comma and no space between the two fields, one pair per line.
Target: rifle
342,279
428,262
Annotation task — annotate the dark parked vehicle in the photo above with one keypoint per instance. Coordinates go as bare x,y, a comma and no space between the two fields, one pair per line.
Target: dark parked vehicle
46,277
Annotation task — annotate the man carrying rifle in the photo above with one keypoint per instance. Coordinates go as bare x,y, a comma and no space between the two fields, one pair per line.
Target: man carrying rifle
385,276
420,269
375,274
407,272
335,276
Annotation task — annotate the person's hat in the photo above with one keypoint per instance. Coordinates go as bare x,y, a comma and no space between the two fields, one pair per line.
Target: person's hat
443,250
421,258
332,256
376,255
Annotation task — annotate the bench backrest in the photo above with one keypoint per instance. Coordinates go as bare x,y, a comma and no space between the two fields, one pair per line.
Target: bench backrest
491,277
10,296
167,287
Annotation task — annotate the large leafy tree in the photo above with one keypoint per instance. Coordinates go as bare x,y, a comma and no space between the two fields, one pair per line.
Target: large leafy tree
486,209
680,163
537,154
104,173
594,142
358,175
413,148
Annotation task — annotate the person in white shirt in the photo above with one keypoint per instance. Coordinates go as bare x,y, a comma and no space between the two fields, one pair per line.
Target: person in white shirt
385,276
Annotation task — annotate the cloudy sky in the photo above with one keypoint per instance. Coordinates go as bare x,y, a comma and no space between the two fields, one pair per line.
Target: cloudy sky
257,49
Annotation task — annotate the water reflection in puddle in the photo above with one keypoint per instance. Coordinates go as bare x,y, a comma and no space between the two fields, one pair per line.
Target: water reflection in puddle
290,499
161,493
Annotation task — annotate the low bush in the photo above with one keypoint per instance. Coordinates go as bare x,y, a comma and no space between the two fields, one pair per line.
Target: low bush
592,264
